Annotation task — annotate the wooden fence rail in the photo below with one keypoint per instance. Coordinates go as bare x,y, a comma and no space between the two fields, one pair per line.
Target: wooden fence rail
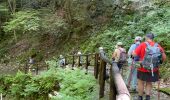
118,89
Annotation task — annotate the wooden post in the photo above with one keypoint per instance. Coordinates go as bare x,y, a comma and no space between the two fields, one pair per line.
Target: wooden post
36,69
26,67
87,63
65,61
96,67
102,78
73,62
113,93
47,67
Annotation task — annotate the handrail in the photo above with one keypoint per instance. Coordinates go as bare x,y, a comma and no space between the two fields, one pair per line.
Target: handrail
121,89
77,55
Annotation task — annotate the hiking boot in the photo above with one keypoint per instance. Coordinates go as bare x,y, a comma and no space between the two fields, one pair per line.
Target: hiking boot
147,97
140,98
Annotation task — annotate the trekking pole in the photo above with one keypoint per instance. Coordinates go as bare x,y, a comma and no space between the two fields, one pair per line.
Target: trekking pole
158,87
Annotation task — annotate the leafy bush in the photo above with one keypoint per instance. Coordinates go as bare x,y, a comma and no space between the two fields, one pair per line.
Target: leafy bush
71,84
23,21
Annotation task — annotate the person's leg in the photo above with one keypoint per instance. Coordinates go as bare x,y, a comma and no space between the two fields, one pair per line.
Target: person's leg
127,80
134,78
148,90
140,89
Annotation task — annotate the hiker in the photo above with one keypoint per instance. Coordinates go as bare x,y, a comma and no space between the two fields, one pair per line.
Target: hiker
61,61
151,56
31,62
119,55
131,80
107,65
79,54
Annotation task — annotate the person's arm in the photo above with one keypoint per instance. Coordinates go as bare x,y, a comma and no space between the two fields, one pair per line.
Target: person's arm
130,51
163,53
115,54
163,56
137,51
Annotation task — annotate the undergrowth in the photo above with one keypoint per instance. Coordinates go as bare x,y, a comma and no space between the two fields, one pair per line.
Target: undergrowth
70,84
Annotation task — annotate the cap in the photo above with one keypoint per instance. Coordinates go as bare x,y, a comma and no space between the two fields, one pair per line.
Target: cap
138,38
100,48
150,35
79,53
61,56
119,43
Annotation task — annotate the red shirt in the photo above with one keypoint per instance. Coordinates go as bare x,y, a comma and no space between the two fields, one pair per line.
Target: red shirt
140,51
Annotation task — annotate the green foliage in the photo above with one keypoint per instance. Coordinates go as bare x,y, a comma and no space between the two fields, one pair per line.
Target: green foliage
156,21
71,84
165,90
54,25
164,71
27,86
23,21
23,58
80,87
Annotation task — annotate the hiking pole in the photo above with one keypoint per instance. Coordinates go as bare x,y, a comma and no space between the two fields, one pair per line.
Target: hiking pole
158,89
158,86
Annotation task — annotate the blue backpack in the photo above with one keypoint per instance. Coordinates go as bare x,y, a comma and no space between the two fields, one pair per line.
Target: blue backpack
152,58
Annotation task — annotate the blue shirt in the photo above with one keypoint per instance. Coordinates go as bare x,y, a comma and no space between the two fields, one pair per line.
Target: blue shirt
132,48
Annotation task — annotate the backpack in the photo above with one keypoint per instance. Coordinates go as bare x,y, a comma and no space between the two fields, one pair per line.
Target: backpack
62,62
123,56
152,57
136,58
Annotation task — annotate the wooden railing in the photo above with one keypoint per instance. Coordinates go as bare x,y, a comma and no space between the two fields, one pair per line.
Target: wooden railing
118,89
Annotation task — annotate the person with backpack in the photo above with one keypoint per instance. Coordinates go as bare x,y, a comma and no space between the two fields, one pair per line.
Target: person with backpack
119,55
151,56
61,61
131,80
31,62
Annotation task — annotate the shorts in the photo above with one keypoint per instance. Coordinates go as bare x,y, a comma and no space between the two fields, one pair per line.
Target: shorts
147,76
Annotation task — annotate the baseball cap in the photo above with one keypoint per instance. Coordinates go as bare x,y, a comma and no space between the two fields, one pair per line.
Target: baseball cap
138,38
150,35
79,53
100,48
119,43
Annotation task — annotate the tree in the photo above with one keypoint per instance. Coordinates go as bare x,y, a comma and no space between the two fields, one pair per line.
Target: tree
23,21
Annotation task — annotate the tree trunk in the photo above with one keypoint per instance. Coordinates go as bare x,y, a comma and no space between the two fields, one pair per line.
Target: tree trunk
12,5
